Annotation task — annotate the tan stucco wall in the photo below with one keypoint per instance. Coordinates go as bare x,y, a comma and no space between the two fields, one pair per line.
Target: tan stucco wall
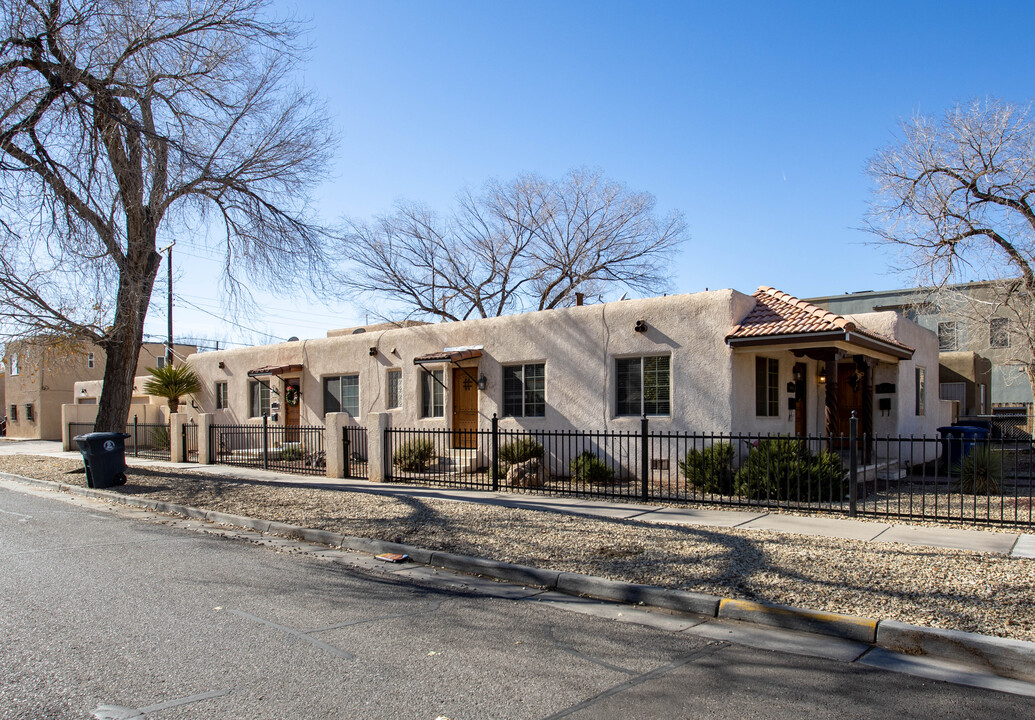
47,376
578,346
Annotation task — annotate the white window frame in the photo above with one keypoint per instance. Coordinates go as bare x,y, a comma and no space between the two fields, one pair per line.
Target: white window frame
525,390
258,405
432,394
222,395
326,382
393,388
619,411
14,364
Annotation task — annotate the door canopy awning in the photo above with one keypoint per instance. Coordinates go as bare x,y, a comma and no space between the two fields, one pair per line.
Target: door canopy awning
274,370
779,319
450,355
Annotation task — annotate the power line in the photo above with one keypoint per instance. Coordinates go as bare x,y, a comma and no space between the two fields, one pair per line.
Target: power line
232,322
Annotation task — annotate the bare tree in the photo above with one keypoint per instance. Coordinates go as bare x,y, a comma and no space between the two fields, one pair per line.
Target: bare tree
954,196
526,244
124,120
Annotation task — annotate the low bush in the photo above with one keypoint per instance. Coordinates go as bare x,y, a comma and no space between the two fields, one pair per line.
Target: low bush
520,450
981,472
784,469
292,452
414,456
710,470
588,468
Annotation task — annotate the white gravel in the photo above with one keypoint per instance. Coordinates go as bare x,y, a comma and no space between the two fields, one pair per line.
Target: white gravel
963,590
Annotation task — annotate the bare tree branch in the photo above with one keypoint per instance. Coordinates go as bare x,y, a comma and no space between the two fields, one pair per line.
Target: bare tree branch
529,244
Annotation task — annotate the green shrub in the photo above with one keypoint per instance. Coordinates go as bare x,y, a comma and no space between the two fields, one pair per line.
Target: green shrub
414,455
784,469
292,452
588,468
520,450
710,470
158,438
981,472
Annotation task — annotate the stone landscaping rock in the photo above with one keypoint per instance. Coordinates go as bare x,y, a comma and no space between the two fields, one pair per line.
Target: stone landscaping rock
527,474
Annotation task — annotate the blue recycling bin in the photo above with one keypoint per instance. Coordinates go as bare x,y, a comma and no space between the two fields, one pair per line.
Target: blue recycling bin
958,440
104,455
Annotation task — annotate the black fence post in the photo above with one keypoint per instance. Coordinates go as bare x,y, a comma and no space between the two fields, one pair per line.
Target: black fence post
644,460
386,454
853,466
183,443
495,456
136,443
265,442
345,451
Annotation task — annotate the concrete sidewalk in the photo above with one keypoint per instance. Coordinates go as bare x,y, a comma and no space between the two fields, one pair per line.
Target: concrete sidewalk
1014,544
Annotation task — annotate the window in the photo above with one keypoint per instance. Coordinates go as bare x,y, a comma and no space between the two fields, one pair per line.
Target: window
947,336
954,391
14,413
341,394
159,362
14,364
29,415
642,386
432,395
921,390
767,387
89,360
524,390
222,396
393,381
999,333
259,399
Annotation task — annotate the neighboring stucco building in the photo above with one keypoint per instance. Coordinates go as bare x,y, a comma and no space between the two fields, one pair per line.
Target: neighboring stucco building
976,351
41,375
711,362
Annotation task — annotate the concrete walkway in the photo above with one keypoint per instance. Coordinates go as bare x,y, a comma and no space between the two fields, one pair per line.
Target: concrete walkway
1014,544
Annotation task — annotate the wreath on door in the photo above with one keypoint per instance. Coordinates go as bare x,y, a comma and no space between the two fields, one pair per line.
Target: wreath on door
292,395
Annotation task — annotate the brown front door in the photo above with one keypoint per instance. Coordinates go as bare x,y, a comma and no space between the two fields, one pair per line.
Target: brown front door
291,412
465,408
849,396
800,416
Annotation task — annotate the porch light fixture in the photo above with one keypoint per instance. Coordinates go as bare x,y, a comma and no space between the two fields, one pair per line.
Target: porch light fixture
482,382
821,376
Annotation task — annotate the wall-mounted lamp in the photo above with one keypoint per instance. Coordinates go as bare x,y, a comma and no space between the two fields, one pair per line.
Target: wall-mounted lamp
640,326
821,376
482,382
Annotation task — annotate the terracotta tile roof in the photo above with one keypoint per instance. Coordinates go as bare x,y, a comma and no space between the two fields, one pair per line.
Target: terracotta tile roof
777,313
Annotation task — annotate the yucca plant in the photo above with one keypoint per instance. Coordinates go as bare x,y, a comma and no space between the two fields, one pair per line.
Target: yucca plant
172,382
980,472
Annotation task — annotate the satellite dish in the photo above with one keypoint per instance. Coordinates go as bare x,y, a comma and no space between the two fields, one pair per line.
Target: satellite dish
292,339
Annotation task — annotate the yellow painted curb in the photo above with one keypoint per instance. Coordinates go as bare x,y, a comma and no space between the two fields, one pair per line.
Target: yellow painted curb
845,626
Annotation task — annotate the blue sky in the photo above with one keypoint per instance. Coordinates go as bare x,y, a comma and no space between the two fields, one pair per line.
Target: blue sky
754,119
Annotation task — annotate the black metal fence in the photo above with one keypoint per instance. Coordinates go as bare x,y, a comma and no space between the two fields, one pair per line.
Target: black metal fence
294,449
961,479
354,451
149,440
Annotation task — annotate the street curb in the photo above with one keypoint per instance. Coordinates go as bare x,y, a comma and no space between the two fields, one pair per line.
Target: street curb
1001,656
849,627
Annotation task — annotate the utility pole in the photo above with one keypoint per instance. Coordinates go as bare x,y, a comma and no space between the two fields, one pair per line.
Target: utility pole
169,340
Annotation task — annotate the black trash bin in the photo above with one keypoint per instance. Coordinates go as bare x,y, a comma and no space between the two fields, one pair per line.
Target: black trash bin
104,454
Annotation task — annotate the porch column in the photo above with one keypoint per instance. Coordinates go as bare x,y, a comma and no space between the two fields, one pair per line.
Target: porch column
830,418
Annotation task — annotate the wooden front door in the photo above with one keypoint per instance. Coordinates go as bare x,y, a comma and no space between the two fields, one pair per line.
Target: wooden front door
465,408
800,406
292,412
849,396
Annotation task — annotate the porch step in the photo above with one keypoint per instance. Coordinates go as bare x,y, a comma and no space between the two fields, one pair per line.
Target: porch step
457,460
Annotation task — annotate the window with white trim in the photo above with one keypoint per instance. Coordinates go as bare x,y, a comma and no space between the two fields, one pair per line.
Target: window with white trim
767,387
259,399
524,390
432,394
643,385
341,394
14,364
393,389
222,396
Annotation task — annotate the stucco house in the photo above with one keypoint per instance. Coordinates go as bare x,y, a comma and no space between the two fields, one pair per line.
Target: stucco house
41,377
711,362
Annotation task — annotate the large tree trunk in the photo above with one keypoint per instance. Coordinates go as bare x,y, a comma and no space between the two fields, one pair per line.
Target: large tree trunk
122,342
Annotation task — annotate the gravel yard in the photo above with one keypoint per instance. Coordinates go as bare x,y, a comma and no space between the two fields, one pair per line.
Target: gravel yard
963,590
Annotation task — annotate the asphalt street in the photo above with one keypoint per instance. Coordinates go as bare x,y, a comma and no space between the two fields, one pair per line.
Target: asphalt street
105,614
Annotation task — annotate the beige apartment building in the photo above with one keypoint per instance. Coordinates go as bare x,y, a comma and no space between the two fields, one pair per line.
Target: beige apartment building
712,362
41,375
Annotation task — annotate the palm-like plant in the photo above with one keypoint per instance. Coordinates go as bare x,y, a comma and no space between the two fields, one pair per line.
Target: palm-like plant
173,382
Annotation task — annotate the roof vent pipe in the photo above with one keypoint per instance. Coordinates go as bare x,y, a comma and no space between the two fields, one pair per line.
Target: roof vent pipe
580,298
